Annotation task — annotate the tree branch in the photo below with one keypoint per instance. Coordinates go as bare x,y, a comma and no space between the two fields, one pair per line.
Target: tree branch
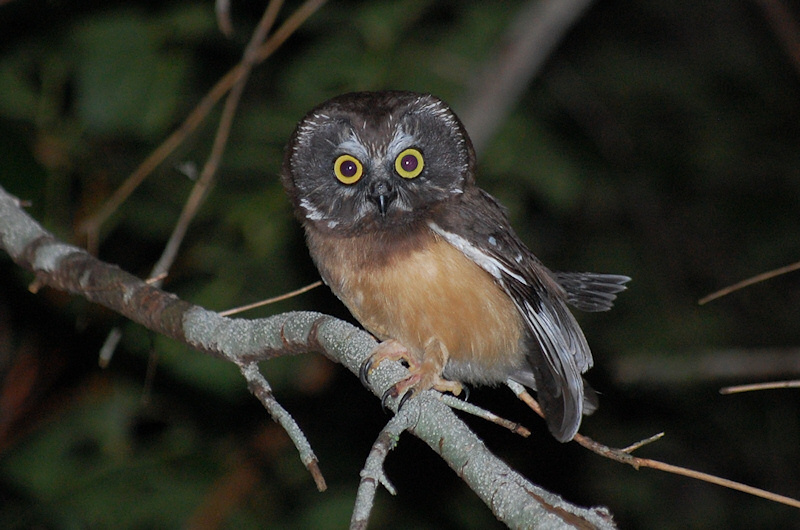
373,475
513,499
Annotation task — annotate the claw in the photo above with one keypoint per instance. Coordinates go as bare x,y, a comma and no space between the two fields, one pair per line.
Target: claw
405,398
363,372
387,350
423,375
390,393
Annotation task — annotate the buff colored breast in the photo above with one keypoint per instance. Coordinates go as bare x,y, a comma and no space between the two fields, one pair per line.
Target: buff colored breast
427,289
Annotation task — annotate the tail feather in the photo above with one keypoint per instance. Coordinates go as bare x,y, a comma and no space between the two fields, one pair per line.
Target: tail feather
589,291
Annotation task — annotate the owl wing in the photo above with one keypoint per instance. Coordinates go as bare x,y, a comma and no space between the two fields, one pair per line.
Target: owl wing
559,354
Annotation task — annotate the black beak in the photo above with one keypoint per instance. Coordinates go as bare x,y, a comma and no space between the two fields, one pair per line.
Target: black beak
383,193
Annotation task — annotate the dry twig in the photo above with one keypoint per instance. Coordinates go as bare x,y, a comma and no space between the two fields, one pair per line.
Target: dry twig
750,281
537,30
208,173
623,456
91,226
464,406
772,385
274,299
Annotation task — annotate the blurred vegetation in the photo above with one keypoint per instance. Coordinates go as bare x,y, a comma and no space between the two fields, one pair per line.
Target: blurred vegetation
661,140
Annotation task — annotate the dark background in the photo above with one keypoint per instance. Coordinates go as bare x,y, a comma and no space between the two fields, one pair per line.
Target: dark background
660,141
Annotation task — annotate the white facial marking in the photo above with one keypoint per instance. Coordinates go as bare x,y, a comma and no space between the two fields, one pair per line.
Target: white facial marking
400,141
311,212
353,146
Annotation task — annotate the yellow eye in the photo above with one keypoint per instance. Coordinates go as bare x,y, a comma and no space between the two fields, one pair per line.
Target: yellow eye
348,169
409,163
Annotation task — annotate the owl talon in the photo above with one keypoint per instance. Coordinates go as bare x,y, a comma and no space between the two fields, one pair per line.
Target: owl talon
405,398
423,375
363,372
392,393
385,398
390,350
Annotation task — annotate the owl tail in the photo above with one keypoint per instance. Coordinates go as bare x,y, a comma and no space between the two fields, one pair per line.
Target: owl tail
561,411
589,291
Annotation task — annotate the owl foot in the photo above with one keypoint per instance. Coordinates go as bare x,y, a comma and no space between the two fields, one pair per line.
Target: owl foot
388,350
424,375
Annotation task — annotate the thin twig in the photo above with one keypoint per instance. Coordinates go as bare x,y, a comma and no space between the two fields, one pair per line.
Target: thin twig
272,300
785,27
260,388
153,280
286,29
623,456
750,281
536,32
772,385
91,226
223,10
207,176
523,395
641,443
464,406
208,173
109,346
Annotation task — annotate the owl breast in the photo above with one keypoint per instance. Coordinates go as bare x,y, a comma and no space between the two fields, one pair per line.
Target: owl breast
419,287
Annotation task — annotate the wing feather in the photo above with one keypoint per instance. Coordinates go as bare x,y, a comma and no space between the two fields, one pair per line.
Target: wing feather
559,353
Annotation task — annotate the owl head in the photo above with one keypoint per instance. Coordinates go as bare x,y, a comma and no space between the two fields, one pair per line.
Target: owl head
376,161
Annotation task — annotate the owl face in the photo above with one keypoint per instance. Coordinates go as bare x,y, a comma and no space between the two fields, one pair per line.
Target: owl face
376,160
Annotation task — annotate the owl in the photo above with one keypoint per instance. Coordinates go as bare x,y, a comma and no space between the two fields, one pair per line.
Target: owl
384,186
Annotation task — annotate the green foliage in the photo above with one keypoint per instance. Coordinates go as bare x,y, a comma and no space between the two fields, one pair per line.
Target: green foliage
82,467
127,85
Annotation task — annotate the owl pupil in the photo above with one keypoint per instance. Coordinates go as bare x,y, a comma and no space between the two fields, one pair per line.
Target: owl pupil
348,168
409,163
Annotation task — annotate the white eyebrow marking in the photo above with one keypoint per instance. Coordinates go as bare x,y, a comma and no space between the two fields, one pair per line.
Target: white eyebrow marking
400,140
354,147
